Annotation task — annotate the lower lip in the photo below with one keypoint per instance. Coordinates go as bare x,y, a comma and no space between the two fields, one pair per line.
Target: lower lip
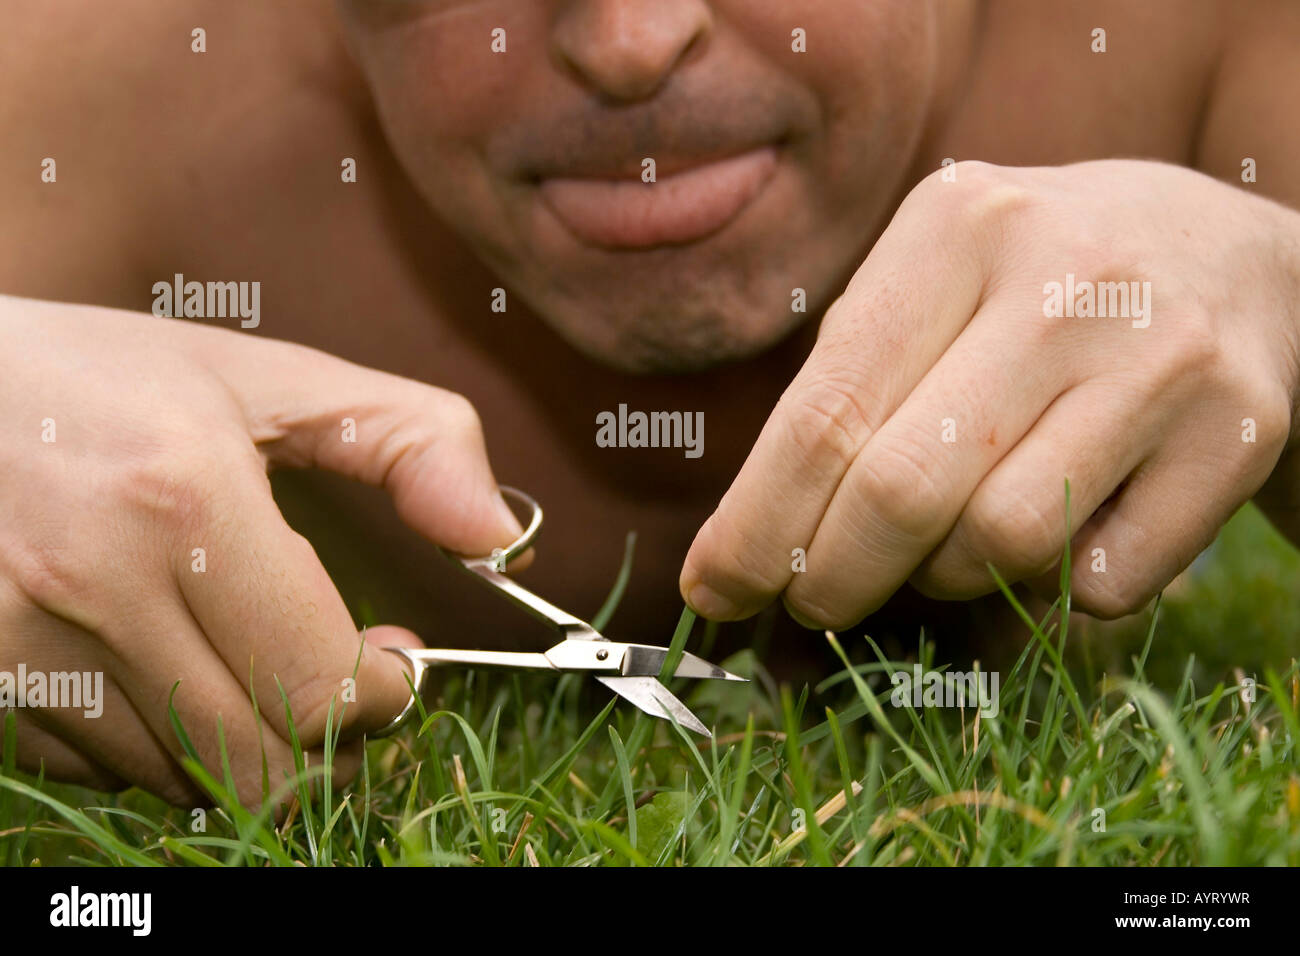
684,207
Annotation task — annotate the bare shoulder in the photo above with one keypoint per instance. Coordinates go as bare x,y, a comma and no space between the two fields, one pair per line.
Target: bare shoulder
1250,119
1060,81
87,65
107,107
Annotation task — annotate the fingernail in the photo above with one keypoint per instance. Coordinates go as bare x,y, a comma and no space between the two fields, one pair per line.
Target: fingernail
710,604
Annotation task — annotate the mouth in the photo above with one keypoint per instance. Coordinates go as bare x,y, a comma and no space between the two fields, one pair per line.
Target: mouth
686,203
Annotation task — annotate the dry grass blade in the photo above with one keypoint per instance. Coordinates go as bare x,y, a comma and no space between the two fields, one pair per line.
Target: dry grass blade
967,798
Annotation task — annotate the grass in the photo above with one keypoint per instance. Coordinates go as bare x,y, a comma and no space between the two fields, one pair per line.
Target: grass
1135,745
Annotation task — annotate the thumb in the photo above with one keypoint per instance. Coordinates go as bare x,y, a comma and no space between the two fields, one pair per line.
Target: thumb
423,445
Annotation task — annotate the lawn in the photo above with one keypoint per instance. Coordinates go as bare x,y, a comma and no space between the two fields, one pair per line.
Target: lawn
1139,744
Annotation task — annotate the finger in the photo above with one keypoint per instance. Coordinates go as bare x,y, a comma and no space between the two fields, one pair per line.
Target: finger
288,627
906,488
1151,531
167,651
424,445
99,723
38,750
117,739
1016,518
902,309
1208,463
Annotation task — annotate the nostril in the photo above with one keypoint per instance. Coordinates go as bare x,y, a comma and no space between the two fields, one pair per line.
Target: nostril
626,50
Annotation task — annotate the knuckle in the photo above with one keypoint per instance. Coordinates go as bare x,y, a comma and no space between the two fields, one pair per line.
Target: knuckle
1013,532
1196,352
1269,407
48,576
828,422
419,413
1273,423
901,488
965,175
458,414
171,489
434,419
976,193
1188,362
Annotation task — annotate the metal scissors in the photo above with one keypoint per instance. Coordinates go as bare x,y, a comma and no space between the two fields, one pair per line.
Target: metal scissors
629,670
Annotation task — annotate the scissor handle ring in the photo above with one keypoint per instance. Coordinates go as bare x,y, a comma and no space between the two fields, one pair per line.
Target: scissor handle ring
497,561
418,667
501,558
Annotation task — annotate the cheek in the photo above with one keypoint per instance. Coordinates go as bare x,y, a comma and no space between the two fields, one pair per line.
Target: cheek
441,87
872,68
871,64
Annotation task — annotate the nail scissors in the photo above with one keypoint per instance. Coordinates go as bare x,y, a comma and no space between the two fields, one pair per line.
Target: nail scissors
629,670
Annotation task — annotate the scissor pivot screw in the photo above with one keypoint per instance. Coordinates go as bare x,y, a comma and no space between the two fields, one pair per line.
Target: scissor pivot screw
602,654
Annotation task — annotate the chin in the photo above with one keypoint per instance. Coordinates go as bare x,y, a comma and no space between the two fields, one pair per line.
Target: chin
667,341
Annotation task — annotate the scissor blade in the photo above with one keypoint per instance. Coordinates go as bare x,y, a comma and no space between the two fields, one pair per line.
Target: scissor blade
655,699
648,660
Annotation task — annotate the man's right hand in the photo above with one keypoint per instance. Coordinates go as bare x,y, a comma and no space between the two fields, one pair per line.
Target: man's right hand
139,538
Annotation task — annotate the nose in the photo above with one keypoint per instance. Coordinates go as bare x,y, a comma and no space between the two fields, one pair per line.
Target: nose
625,49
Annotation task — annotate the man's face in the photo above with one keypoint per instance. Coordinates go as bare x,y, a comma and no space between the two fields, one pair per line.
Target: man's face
773,168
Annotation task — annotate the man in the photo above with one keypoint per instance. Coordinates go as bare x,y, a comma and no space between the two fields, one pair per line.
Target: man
538,215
